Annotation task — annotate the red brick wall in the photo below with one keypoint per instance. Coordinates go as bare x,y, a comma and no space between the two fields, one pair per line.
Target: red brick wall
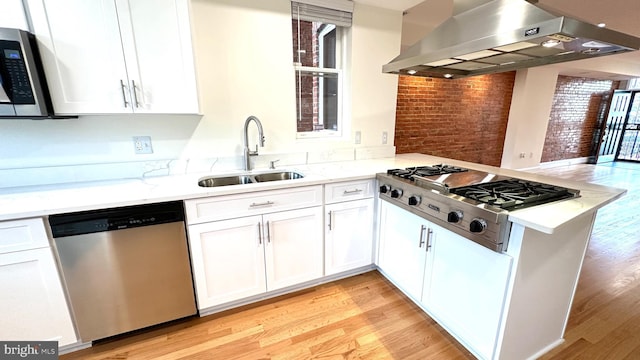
573,117
306,86
464,119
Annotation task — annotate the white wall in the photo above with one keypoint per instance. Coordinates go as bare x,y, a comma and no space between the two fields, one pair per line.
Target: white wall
243,52
529,117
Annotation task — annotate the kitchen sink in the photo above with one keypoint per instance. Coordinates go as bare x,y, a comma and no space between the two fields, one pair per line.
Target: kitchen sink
215,181
276,176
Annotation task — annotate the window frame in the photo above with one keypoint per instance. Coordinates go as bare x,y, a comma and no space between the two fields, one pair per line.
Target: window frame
342,39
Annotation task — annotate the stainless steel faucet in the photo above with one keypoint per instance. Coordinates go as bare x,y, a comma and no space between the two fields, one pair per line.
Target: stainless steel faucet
248,153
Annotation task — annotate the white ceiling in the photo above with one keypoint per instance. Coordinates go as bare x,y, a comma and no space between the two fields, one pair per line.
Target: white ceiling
621,15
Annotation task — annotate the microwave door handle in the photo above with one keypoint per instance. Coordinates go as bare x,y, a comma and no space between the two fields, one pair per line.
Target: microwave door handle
4,98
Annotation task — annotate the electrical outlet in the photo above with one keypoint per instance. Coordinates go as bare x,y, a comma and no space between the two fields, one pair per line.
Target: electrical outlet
358,138
384,137
142,145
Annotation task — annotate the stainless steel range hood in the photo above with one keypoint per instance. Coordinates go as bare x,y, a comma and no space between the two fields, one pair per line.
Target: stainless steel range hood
491,36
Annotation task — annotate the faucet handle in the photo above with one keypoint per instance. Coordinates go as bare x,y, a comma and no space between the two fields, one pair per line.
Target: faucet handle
272,164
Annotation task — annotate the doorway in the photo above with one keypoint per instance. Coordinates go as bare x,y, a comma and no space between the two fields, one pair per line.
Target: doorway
618,138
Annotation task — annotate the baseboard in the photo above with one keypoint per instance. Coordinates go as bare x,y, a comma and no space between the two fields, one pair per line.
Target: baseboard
557,163
288,290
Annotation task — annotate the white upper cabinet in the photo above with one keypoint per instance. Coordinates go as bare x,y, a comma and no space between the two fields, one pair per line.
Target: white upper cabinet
12,15
117,56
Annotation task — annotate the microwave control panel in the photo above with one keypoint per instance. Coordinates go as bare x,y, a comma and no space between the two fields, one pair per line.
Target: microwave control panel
14,77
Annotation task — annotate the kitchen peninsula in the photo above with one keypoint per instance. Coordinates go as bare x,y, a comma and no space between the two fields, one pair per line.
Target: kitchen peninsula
545,252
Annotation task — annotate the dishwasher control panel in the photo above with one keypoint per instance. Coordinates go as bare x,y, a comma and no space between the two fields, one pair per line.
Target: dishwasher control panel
87,222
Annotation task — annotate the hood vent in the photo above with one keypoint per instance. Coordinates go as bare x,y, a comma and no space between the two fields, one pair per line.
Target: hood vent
505,35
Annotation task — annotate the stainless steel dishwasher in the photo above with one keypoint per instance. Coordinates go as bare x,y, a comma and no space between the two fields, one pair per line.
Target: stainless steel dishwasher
125,268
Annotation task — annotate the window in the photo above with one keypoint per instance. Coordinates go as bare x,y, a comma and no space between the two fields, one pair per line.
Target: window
319,39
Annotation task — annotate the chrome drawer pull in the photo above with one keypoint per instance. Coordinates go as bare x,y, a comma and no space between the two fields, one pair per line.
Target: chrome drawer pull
422,228
429,234
268,203
330,221
259,233
352,192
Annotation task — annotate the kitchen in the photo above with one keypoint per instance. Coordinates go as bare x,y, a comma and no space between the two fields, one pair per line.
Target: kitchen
84,149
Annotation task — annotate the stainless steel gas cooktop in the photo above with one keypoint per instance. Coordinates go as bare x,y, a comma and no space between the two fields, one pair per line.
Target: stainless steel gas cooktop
474,204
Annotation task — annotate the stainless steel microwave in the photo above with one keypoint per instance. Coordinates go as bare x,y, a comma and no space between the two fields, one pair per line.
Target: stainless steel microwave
23,90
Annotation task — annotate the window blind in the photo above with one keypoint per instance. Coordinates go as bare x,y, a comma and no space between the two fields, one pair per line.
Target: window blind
338,12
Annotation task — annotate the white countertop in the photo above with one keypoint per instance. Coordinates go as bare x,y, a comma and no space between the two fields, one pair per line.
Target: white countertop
36,201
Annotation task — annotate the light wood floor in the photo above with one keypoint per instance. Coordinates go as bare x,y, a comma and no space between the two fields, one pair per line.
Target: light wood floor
365,317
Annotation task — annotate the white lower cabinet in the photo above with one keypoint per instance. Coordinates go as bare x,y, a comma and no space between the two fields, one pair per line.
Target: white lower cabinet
402,254
465,290
348,234
293,250
461,284
33,305
245,256
228,260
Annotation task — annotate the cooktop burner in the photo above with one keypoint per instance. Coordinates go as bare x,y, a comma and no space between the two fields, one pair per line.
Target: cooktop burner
424,171
513,194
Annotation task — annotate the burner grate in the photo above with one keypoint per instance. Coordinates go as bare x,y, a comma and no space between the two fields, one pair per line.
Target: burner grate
514,193
425,171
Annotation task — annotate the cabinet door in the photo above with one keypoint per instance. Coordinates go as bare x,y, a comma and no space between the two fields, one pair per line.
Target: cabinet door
12,15
156,38
228,260
402,252
294,251
465,289
33,305
348,235
79,41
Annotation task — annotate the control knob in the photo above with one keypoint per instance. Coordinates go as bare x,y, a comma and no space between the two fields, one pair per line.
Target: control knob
454,216
396,193
478,225
414,200
385,189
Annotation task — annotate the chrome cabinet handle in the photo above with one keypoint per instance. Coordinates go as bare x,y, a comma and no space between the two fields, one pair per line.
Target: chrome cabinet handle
259,233
422,228
268,203
123,87
330,220
135,94
429,234
268,233
352,192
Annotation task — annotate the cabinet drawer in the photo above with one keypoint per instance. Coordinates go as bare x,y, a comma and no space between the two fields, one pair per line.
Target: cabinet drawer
348,190
26,234
260,202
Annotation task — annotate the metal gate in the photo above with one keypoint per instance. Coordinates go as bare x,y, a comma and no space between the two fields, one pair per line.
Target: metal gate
610,133
630,146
